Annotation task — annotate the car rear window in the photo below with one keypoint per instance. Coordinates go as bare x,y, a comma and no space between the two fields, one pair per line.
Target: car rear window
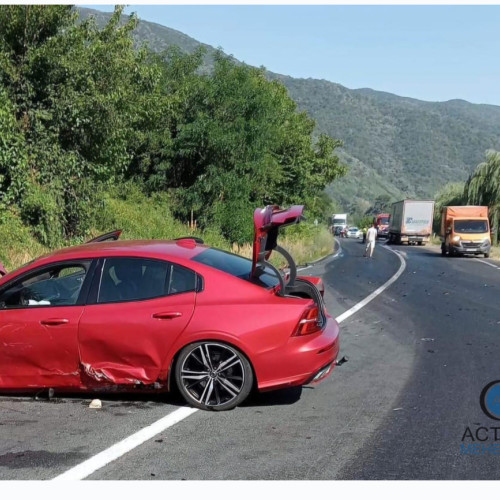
236,266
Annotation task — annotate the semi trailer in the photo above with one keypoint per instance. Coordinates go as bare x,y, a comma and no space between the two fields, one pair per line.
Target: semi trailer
411,222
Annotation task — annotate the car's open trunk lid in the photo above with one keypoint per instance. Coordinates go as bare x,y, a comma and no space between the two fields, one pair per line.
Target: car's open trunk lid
267,222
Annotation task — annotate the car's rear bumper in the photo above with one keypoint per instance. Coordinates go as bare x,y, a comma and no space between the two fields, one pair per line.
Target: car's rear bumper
304,360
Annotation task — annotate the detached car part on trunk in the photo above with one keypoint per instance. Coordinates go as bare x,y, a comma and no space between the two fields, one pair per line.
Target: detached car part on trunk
145,315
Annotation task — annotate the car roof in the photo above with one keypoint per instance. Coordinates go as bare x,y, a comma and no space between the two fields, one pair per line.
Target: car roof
183,249
175,250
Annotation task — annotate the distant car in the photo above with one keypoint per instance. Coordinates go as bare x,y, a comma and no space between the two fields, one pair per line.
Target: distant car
149,315
354,232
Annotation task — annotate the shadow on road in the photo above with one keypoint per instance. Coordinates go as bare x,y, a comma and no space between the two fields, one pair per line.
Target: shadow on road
274,398
125,399
144,400
431,254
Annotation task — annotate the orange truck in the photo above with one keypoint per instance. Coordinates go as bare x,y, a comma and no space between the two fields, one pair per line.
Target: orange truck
465,230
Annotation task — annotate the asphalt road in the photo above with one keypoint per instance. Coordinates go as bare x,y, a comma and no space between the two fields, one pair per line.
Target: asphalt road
420,353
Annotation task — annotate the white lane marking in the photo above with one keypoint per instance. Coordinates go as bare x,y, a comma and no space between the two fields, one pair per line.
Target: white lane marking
487,263
340,247
93,464
378,291
83,470
339,251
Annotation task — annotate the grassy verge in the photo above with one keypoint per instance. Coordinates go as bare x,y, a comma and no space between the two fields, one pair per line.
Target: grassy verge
306,245
495,252
434,241
150,218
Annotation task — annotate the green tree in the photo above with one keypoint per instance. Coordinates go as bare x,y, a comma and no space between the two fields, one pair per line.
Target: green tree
79,93
84,109
451,194
483,188
13,158
243,143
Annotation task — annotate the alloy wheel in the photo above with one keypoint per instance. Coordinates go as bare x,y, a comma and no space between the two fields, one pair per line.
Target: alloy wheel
213,375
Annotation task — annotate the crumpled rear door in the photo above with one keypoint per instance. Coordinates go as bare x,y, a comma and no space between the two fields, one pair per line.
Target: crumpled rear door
128,342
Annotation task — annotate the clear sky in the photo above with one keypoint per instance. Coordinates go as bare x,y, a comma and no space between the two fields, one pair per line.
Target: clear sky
433,53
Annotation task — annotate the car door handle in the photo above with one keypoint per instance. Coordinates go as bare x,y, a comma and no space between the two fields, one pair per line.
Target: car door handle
54,321
167,315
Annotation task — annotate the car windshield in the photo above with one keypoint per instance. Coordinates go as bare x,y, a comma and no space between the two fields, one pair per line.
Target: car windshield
384,221
471,226
354,229
236,266
339,221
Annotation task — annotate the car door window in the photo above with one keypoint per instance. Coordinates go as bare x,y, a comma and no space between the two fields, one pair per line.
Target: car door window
181,280
57,285
126,279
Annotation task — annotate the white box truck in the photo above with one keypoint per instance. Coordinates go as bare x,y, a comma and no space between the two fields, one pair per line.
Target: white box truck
411,221
339,223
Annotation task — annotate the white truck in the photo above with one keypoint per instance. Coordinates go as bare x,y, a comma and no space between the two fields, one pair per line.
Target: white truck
339,221
411,221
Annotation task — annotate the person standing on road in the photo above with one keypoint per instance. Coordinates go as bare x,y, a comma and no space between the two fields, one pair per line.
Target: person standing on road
371,236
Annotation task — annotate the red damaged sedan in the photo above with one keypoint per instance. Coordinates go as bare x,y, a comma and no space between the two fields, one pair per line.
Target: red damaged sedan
151,314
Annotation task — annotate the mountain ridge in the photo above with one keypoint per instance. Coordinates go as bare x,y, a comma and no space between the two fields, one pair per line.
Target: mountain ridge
395,146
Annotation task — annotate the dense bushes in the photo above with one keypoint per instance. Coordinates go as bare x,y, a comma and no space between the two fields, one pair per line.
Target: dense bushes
85,115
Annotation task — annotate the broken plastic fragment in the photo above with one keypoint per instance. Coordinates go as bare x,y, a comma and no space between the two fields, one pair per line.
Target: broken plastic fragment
95,403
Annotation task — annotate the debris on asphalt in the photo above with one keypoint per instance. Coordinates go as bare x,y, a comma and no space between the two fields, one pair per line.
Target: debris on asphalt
427,339
96,404
158,440
396,409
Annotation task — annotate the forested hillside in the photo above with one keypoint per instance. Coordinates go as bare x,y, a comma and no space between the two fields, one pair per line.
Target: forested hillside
395,146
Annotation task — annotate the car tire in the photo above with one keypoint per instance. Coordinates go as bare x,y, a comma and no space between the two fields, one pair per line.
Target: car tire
443,250
213,375
486,255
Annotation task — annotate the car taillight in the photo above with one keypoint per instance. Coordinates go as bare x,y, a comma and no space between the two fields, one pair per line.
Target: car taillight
309,322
